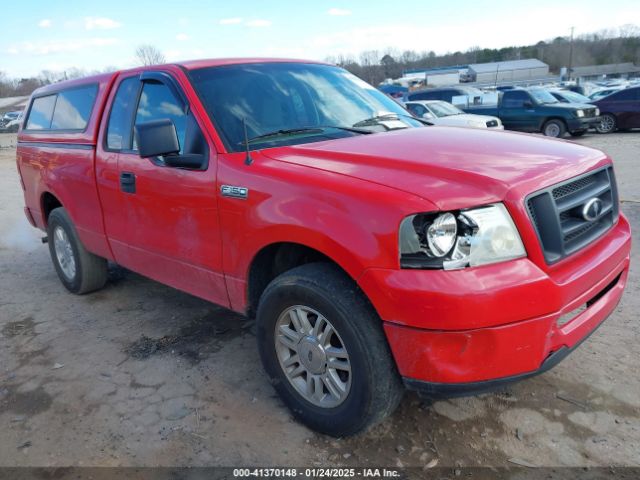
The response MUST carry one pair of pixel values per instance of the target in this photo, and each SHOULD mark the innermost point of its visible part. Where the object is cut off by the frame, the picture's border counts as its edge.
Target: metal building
(512, 70)
(601, 72)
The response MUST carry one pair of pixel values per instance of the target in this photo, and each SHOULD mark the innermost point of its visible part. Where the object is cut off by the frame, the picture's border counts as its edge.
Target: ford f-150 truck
(376, 253)
(536, 110)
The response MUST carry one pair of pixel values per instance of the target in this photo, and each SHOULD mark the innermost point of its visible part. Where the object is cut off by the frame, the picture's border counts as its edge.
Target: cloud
(230, 21)
(181, 37)
(100, 23)
(258, 23)
(44, 23)
(173, 54)
(338, 12)
(59, 46)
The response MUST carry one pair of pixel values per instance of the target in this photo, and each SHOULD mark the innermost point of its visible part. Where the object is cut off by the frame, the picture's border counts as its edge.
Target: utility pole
(570, 55)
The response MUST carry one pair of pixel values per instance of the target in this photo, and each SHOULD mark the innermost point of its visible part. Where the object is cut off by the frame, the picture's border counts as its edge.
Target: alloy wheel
(64, 253)
(312, 356)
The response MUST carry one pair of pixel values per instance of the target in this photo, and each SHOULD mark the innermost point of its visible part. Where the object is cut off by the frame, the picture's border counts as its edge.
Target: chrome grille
(557, 213)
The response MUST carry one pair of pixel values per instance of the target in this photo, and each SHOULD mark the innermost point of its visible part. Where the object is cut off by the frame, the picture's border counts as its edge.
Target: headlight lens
(580, 113)
(441, 234)
(453, 240)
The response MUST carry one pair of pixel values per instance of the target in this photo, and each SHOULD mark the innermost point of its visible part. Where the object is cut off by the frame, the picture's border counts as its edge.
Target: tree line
(17, 87)
(617, 45)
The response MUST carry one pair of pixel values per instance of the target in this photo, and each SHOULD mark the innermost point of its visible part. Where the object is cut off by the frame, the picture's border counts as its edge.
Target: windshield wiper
(293, 131)
(376, 119)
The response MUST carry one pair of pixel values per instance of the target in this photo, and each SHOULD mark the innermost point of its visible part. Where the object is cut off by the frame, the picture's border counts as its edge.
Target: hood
(461, 119)
(451, 167)
(568, 106)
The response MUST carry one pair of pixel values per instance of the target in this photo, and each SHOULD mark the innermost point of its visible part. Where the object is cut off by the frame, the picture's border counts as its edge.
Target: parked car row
(526, 110)
(551, 111)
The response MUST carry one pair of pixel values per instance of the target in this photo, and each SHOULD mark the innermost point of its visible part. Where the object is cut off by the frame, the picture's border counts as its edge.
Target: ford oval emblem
(592, 210)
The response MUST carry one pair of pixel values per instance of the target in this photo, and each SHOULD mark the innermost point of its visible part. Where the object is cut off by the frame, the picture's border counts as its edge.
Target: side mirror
(157, 138)
(427, 115)
(527, 104)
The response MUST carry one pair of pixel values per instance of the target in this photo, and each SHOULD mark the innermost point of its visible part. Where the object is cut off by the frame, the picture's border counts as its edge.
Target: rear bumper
(500, 323)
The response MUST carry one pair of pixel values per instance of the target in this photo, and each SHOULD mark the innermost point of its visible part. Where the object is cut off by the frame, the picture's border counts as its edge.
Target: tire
(79, 270)
(578, 133)
(372, 388)
(554, 128)
(607, 123)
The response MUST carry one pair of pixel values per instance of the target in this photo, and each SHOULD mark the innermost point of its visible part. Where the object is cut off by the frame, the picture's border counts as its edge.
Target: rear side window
(41, 113)
(73, 108)
(66, 110)
(425, 96)
(416, 109)
(629, 94)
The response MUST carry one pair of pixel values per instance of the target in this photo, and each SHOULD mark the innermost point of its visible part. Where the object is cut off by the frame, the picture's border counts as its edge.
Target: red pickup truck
(375, 252)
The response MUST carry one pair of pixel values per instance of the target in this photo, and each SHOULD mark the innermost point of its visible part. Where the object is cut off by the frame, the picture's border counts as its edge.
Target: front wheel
(79, 271)
(324, 350)
(554, 128)
(607, 124)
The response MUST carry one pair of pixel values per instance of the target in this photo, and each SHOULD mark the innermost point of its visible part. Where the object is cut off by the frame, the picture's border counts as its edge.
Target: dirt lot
(139, 374)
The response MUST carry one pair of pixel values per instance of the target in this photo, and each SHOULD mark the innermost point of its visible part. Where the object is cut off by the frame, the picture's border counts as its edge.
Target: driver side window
(515, 99)
(157, 102)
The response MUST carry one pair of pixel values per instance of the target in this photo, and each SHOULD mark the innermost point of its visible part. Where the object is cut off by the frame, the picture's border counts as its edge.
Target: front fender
(353, 222)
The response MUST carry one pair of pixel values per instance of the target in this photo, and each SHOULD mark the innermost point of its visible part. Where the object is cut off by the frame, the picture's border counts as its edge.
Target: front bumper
(453, 331)
(582, 123)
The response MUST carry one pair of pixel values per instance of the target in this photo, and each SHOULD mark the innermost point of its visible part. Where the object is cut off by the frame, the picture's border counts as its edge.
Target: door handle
(128, 182)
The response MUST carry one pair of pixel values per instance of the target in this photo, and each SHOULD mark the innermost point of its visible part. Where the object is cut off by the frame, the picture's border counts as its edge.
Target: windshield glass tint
(542, 96)
(282, 96)
(444, 109)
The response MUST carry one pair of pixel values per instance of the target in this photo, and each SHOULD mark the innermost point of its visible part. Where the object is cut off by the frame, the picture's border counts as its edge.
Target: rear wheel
(324, 350)
(79, 270)
(607, 123)
(554, 128)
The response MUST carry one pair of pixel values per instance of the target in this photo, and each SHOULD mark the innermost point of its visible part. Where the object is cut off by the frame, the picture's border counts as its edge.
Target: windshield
(542, 96)
(574, 97)
(444, 109)
(273, 97)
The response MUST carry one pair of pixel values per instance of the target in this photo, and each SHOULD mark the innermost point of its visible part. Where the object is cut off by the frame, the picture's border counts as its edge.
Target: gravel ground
(139, 374)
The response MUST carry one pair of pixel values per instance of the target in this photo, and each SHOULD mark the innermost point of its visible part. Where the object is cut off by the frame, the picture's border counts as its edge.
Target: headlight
(441, 234)
(580, 113)
(453, 240)
(597, 112)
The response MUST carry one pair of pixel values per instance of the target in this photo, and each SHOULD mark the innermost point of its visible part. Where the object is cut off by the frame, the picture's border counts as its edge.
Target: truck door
(517, 111)
(161, 221)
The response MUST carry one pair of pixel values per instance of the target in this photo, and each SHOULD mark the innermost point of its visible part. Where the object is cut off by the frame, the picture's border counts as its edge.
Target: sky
(60, 34)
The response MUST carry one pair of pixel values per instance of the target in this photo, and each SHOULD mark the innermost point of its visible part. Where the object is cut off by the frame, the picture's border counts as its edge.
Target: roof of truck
(188, 65)
(218, 62)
